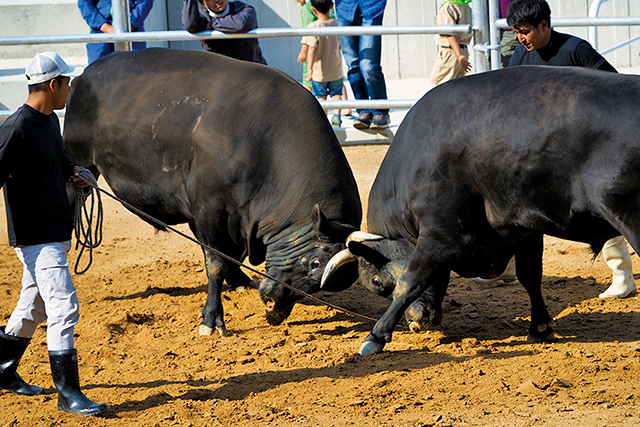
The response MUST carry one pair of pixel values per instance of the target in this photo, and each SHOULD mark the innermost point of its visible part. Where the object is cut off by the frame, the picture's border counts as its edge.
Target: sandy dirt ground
(140, 352)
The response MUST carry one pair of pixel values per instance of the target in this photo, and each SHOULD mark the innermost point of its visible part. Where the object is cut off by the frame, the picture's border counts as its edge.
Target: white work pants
(47, 294)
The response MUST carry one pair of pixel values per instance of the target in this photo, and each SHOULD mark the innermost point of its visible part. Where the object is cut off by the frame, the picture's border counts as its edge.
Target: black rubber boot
(64, 370)
(11, 351)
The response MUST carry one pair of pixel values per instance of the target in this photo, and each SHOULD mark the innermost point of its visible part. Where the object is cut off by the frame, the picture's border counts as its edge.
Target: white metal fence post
(121, 22)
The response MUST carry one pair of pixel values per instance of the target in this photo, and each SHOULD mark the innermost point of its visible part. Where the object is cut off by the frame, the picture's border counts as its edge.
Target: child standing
(453, 57)
(324, 58)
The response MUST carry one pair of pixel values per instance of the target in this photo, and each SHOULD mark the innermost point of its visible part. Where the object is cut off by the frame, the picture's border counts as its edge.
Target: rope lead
(90, 241)
(88, 235)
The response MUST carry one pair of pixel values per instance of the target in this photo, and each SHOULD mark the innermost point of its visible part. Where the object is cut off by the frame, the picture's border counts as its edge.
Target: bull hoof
(222, 331)
(370, 347)
(549, 336)
(205, 330)
(415, 327)
(274, 318)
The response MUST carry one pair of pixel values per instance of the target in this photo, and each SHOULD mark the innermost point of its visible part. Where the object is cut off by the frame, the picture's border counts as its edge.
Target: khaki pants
(447, 66)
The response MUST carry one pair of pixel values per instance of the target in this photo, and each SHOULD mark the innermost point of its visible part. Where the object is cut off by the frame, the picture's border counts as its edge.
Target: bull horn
(338, 260)
(362, 236)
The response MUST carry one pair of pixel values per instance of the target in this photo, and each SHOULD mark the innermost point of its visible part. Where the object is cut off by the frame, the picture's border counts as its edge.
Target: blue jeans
(362, 55)
(324, 89)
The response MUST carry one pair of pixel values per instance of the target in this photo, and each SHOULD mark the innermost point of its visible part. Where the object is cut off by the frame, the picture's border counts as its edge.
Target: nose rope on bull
(88, 240)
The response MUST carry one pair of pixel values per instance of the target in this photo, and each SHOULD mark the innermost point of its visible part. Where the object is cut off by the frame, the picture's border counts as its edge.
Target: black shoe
(11, 351)
(380, 122)
(64, 370)
(363, 121)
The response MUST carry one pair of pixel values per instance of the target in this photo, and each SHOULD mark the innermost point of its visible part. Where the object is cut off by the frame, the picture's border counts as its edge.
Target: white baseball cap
(48, 65)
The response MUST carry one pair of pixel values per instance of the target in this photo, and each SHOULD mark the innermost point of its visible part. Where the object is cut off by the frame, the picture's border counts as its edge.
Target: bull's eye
(315, 264)
(376, 281)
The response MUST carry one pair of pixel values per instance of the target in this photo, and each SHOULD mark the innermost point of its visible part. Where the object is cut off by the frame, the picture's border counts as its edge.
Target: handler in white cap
(33, 171)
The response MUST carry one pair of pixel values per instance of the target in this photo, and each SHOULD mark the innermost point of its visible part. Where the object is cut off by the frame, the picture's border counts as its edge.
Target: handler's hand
(76, 180)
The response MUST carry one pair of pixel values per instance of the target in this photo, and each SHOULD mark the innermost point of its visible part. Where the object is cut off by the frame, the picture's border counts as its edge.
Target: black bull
(480, 169)
(239, 151)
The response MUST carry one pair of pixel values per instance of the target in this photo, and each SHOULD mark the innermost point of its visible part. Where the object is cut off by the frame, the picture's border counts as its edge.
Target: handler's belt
(462, 46)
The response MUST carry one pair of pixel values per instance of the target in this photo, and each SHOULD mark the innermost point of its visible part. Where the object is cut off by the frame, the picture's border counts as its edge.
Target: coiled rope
(90, 241)
(88, 235)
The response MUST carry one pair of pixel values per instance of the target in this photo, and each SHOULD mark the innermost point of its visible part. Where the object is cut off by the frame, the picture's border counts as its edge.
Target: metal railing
(257, 33)
(481, 29)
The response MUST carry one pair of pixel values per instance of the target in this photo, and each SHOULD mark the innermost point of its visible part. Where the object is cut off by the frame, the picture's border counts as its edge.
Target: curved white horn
(362, 236)
(341, 258)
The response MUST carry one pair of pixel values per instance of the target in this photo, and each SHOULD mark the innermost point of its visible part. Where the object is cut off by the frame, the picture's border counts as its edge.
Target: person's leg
(345, 97)
(334, 89)
(319, 90)
(30, 310)
(370, 55)
(48, 264)
(616, 255)
(351, 51)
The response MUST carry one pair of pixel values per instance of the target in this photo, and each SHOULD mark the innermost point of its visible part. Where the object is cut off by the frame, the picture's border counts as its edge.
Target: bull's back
(247, 129)
(503, 135)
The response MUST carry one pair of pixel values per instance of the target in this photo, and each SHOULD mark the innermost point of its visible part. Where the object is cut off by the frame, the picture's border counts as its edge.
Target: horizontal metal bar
(377, 104)
(620, 45)
(398, 104)
(585, 22)
(257, 33)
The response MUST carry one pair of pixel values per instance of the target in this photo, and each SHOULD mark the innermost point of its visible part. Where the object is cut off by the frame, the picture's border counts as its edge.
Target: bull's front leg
(529, 273)
(422, 272)
(213, 313)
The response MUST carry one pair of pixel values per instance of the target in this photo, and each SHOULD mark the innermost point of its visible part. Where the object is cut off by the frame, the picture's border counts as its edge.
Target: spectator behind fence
(362, 55)
(452, 61)
(229, 17)
(97, 14)
(307, 17)
(508, 38)
(324, 58)
(541, 45)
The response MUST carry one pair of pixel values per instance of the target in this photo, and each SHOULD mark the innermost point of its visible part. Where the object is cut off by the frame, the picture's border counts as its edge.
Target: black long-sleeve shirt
(562, 50)
(241, 18)
(33, 172)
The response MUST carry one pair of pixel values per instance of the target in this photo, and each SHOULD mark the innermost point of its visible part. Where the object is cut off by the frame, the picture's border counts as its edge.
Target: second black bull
(239, 151)
(480, 169)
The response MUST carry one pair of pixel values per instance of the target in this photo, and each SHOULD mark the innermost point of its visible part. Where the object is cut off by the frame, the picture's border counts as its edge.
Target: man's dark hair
(41, 86)
(528, 11)
(322, 6)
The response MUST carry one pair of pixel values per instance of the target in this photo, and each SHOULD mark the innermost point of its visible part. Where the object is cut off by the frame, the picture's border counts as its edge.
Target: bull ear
(337, 232)
(370, 251)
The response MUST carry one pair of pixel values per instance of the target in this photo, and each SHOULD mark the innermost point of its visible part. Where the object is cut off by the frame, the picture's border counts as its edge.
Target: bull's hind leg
(529, 272)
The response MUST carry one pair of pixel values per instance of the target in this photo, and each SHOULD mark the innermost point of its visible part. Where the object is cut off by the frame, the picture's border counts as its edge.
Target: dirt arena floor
(140, 352)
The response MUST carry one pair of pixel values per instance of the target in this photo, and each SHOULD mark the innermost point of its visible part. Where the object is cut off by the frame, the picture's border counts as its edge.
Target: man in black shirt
(541, 45)
(33, 172)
